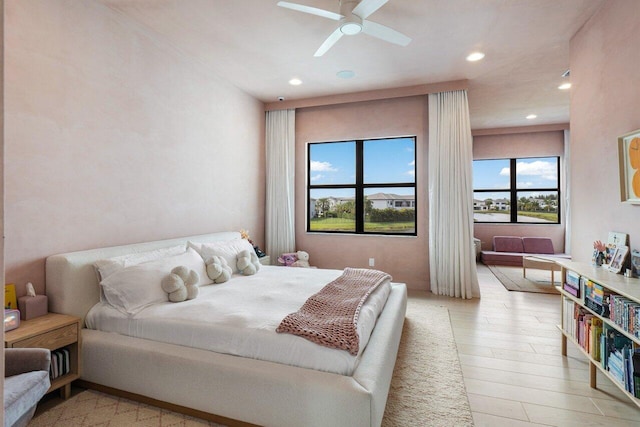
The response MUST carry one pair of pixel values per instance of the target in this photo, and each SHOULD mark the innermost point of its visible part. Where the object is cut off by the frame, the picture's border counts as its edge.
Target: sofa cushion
(537, 245)
(502, 258)
(507, 244)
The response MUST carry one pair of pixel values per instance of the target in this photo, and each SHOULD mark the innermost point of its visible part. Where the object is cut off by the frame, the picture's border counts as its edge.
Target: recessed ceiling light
(346, 74)
(295, 82)
(475, 56)
(531, 116)
(564, 86)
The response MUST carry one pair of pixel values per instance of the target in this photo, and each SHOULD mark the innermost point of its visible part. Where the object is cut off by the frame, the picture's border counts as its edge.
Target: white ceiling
(258, 47)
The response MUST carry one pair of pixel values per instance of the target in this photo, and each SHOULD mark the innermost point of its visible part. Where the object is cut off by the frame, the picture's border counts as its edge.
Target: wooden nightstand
(51, 331)
(265, 260)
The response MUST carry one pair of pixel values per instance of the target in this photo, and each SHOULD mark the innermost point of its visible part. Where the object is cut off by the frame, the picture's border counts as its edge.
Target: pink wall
(114, 137)
(405, 258)
(605, 103)
(532, 144)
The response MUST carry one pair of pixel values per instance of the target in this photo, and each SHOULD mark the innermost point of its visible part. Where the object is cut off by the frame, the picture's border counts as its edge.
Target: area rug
(538, 281)
(427, 388)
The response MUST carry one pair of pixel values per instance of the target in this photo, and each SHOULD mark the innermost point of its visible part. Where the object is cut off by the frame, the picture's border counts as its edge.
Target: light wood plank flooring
(509, 348)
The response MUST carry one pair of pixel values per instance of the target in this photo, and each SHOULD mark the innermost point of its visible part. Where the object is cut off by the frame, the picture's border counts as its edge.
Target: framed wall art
(629, 157)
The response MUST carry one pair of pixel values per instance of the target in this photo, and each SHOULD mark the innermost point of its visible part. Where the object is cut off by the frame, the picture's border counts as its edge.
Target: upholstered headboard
(71, 281)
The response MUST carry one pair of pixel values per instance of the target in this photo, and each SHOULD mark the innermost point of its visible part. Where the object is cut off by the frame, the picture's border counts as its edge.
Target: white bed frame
(226, 387)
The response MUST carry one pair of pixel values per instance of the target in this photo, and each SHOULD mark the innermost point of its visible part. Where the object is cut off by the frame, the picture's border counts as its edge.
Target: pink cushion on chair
(507, 244)
(537, 245)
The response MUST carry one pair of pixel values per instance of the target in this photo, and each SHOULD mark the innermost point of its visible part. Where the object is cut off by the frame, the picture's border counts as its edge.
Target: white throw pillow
(106, 267)
(133, 288)
(228, 249)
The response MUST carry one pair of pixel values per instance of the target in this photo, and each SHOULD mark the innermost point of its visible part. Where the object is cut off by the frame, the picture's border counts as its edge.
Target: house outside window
(517, 190)
(362, 186)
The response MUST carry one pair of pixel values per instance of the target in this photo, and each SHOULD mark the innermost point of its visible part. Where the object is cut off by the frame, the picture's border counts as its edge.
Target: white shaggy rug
(427, 388)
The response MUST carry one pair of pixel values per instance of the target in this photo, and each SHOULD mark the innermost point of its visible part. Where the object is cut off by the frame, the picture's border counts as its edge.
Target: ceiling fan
(353, 20)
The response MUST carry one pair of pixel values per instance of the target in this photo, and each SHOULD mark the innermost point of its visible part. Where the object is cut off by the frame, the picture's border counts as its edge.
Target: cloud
(411, 172)
(413, 163)
(317, 177)
(544, 170)
(527, 184)
(322, 166)
(505, 172)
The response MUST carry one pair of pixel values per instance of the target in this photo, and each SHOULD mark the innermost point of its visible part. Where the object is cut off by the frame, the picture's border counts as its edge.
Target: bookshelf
(52, 331)
(606, 304)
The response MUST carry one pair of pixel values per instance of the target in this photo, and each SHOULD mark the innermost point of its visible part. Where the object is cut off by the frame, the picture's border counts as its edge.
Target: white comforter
(239, 317)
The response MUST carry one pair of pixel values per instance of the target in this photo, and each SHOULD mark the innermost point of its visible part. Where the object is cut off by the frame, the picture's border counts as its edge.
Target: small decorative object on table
(11, 319)
(245, 235)
(32, 305)
(598, 257)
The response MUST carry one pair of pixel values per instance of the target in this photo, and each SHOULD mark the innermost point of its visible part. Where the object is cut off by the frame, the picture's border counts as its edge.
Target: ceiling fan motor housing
(351, 24)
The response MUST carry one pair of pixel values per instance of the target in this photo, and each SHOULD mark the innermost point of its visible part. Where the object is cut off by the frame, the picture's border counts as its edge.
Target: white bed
(201, 381)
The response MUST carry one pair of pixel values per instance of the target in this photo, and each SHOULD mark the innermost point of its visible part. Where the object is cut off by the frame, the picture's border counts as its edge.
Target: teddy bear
(181, 284)
(218, 269)
(288, 259)
(303, 260)
(248, 262)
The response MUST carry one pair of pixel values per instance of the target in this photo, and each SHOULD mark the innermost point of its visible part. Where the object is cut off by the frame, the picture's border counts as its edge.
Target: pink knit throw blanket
(329, 317)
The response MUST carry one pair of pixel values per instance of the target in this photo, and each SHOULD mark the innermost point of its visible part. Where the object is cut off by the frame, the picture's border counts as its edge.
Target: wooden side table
(51, 331)
(265, 260)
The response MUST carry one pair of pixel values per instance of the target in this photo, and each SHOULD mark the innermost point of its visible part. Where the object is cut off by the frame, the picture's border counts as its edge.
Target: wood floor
(509, 348)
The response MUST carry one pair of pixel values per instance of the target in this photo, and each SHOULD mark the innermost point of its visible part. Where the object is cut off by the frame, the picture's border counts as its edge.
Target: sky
(535, 172)
(385, 161)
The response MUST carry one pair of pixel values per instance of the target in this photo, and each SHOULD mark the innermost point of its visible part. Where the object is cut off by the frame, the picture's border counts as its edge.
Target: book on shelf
(572, 283)
(596, 298)
(60, 363)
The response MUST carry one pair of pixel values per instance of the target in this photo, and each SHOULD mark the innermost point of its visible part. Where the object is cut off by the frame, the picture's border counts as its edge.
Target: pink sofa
(509, 250)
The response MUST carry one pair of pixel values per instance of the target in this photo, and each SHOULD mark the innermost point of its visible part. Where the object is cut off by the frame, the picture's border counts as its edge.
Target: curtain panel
(280, 170)
(452, 261)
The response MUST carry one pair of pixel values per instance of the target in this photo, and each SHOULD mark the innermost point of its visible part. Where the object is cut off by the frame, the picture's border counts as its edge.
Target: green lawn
(341, 224)
(549, 216)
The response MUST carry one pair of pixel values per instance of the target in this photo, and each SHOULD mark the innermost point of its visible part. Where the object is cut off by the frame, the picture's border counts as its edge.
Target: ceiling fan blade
(312, 10)
(330, 41)
(385, 33)
(367, 7)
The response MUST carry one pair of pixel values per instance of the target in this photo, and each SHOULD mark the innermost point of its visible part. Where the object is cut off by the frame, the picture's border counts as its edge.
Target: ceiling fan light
(350, 28)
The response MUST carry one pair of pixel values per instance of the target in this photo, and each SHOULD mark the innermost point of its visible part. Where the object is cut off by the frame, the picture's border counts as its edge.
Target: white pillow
(228, 249)
(106, 267)
(133, 288)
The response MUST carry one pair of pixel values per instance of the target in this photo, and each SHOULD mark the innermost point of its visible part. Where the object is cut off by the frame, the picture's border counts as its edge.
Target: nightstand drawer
(53, 339)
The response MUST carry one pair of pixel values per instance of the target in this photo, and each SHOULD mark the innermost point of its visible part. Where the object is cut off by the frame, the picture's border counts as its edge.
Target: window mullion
(359, 187)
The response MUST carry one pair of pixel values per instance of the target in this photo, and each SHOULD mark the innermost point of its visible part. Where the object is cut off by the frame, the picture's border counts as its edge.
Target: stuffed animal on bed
(303, 260)
(248, 262)
(218, 269)
(181, 284)
(288, 259)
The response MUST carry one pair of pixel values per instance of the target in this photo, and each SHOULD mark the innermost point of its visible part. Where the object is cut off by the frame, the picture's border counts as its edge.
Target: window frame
(513, 191)
(359, 188)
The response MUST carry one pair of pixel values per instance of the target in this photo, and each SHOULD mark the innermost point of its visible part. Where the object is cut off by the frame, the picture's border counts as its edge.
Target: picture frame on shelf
(629, 159)
(635, 262)
(619, 259)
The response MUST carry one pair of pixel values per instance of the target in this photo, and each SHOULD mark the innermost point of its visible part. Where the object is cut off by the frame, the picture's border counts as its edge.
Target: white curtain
(280, 158)
(452, 261)
(566, 179)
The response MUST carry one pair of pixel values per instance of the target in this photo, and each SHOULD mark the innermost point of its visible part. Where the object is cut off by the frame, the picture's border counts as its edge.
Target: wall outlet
(372, 262)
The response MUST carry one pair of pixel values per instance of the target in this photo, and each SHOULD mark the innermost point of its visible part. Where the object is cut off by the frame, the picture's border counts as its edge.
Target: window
(531, 185)
(362, 186)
